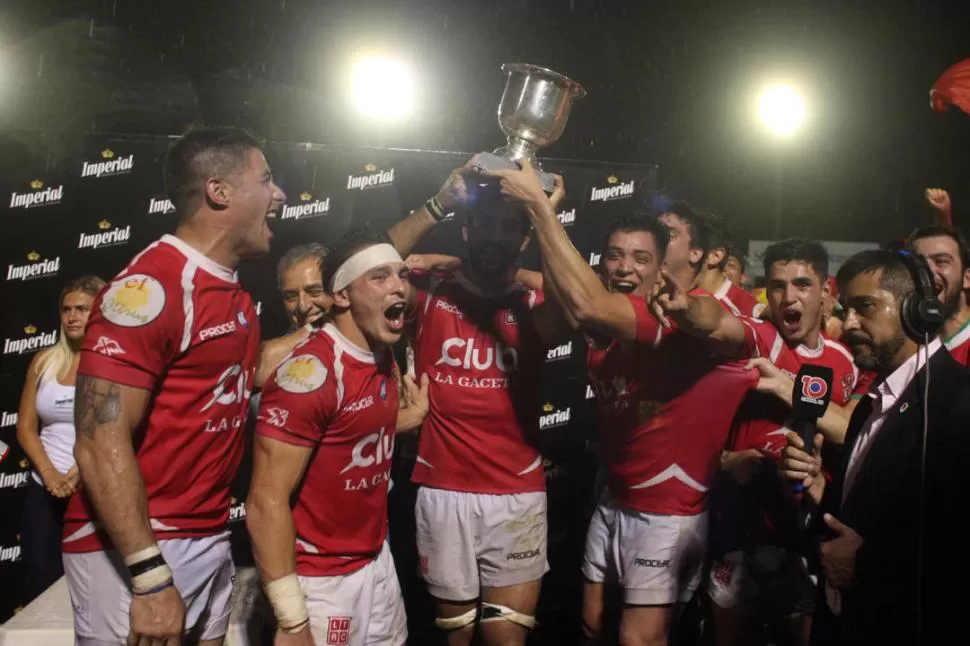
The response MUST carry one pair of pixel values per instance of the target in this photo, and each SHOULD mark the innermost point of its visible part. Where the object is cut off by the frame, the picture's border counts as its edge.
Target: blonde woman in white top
(45, 431)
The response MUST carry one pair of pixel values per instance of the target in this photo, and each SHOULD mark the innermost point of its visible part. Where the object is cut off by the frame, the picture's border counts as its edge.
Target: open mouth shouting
(622, 286)
(394, 315)
(791, 320)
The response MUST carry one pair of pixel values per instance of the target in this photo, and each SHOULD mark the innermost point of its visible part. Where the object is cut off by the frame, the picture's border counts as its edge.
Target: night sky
(671, 83)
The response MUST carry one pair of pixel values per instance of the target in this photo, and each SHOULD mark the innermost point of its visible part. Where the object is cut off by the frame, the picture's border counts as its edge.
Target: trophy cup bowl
(532, 113)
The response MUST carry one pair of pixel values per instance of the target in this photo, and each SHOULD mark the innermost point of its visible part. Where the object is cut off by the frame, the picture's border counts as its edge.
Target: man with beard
(886, 516)
(946, 254)
(665, 403)
(758, 574)
(481, 506)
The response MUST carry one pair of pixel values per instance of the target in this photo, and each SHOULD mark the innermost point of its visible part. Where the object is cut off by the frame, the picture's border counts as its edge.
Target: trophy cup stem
(518, 148)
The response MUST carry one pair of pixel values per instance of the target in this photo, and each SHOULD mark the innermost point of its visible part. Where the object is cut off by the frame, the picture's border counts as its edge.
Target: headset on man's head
(921, 311)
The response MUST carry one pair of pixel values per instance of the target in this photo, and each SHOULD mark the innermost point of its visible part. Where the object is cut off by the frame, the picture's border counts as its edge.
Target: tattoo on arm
(98, 402)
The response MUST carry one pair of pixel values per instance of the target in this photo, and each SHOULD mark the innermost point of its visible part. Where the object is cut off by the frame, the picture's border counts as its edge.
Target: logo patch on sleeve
(133, 301)
(301, 374)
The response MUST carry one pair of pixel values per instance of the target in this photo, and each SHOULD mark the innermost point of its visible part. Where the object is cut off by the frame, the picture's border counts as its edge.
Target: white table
(49, 620)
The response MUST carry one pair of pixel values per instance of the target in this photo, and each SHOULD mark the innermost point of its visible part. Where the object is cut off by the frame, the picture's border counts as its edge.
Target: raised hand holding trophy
(533, 112)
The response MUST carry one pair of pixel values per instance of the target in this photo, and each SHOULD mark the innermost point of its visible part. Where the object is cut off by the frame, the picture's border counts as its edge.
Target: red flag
(952, 88)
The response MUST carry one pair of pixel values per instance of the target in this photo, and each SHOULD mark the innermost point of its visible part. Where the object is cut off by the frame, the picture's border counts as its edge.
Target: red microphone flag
(952, 88)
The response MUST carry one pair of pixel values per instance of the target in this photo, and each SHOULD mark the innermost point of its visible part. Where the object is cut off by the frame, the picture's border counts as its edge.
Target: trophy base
(491, 161)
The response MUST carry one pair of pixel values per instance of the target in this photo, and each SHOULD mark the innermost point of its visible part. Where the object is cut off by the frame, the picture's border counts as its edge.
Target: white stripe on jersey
(137, 258)
(958, 339)
(531, 467)
(776, 347)
(338, 372)
(188, 308)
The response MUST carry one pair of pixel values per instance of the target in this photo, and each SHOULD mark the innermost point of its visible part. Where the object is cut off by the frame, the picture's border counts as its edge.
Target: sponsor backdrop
(86, 205)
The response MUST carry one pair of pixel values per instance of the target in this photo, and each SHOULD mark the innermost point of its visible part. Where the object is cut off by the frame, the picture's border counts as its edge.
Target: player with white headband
(325, 432)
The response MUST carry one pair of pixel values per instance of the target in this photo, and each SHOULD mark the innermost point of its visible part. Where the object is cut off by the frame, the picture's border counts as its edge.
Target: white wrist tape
(141, 555)
(361, 262)
(289, 603)
(154, 578)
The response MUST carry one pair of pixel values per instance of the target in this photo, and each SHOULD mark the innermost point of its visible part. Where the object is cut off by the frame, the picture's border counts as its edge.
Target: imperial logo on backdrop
(36, 267)
(307, 208)
(106, 237)
(15, 480)
(39, 195)
(552, 417)
(9, 553)
(109, 165)
(563, 351)
(614, 190)
(8, 419)
(372, 178)
(161, 205)
(567, 218)
(32, 342)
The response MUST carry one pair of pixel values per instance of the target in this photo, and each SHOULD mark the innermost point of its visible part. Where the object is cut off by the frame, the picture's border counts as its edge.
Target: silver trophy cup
(533, 112)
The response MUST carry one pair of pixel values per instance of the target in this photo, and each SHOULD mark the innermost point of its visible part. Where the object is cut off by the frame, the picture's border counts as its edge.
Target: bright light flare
(383, 88)
(782, 110)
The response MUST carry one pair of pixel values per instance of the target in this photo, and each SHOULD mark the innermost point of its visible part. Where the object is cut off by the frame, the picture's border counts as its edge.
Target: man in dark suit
(891, 548)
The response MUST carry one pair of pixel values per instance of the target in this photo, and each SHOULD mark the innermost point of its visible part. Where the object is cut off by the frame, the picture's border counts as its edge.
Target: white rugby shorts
(101, 593)
(656, 559)
(467, 541)
(363, 608)
(763, 581)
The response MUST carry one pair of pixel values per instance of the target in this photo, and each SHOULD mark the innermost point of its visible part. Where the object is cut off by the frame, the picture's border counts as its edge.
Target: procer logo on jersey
(36, 267)
(308, 208)
(613, 191)
(8, 419)
(9, 554)
(108, 165)
(567, 218)
(551, 418)
(107, 237)
(160, 205)
(14, 480)
(33, 342)
(560, 352)
(39, 196)
(217, 330)
(374, 179)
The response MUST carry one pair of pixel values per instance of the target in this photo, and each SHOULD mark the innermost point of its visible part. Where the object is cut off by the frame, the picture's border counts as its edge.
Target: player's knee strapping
(496, 612)
(458, 622)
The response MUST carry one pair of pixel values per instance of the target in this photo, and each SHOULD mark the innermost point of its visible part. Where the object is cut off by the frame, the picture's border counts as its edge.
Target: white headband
(363, 261)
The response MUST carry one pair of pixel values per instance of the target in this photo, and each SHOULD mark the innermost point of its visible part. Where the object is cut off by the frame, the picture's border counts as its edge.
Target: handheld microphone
(809, 399)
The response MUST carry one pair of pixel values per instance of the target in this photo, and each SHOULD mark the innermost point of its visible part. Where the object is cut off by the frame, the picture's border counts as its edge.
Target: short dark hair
(352, 241)
(935, 231)
(296, 255)
(202, 153)
(639, 221)
(718, 235)
(799, 249)
(694, 221)
(895, 277)
(735, 252)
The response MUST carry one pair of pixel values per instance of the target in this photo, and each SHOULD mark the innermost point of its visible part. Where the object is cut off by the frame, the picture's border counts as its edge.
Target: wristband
(148, 571)
(289, 603)
(434, 207)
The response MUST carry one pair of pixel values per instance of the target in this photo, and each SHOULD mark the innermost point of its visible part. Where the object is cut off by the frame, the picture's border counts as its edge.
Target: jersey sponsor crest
(133, 301)
(301, 374)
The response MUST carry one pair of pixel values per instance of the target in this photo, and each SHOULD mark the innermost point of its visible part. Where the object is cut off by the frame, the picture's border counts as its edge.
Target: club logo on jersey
(133, 301)
(107, 237)
(161, 205)
(307, 208)
(373, 179)
(35, 268)
(848, 385)
(510, 318)
(14, 480)
(503, 357)
(566, 218)
(560, 352)
(301, 374)
(371, 450)
(276, 416)
(8, 419)
(108, 165)
(814, 388)
(242, 319)
(551, 418)
(614, 190)
(9, 554)
(34, 341)
(338, 631)
(217, 330)
(39, 196)
(107, 346)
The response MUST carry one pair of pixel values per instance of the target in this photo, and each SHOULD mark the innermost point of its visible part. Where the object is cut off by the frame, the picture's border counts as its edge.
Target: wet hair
(296, 255)
(810, 252)
(935, 231)
(347, 245)
(895, 278)
(200, 154)
(638, 221)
